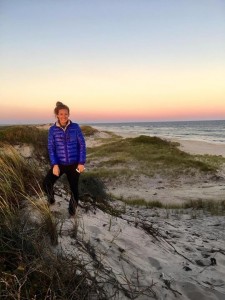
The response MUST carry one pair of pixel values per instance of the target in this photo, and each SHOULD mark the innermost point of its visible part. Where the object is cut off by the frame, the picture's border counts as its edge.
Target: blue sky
(104, 29)
(47, 42)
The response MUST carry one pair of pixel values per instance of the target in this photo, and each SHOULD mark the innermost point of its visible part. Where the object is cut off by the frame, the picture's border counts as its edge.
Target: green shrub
(24, 134)
(28, 134)
(211, 206)
(152, 155)
(88, 130)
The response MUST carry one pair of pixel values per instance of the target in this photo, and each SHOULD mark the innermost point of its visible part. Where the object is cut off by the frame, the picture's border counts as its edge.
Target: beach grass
(26, 134)
(47, 221)
(213, 207)
(88, 130)
(31, 269)
(18, 134)
(151, 155)
(17, 176)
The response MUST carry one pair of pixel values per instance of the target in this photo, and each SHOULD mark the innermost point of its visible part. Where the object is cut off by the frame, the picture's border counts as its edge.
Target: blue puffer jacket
(67, 146)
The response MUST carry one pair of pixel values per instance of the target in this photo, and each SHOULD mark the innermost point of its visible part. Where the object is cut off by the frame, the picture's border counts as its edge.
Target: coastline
(190, 146)
(201, 147)
(166, 189)
(187, 145)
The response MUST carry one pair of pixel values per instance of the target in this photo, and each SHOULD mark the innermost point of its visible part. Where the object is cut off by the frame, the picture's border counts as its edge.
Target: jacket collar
(64, 127)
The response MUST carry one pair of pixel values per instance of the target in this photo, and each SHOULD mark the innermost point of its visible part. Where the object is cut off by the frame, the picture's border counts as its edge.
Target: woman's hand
(56, 170)
(80, 168)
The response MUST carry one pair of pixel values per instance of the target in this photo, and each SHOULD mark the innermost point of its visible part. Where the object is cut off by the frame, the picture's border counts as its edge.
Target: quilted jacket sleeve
(82, 146)
(51, 147)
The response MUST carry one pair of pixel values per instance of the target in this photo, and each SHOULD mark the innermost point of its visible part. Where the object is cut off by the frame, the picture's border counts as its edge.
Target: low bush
(88, 130)
(153, 155)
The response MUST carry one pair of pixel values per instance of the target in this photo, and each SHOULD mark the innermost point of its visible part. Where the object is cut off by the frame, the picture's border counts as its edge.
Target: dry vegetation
(151, 155)
(30, 267)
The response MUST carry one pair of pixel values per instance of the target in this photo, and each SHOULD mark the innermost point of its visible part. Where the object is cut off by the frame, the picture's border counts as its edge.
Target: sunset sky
(112, 60)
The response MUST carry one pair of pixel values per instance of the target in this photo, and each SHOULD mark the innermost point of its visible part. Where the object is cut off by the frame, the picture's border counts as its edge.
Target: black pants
(73, 179)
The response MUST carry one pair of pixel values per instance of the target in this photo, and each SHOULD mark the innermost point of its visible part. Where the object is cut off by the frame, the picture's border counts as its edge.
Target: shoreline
(195, 147)
(166, 189)
(186, 145)
(200, 147)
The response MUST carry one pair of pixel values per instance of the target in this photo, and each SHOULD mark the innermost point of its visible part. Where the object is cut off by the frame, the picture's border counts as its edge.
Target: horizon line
(112, 122)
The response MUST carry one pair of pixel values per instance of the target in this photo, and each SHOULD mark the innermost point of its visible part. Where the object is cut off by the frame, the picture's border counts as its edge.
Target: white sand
(200, 147)
(174, 257)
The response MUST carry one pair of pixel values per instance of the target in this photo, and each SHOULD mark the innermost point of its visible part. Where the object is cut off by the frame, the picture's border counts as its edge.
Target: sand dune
(150, 252)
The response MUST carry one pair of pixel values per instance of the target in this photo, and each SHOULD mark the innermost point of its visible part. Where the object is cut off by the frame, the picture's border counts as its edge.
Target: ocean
(207, 131)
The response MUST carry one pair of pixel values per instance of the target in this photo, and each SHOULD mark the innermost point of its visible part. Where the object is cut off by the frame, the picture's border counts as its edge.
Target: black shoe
(72, 208)
(51, 201)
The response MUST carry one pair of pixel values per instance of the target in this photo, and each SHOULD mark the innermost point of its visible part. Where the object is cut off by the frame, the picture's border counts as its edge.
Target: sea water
(208, 131)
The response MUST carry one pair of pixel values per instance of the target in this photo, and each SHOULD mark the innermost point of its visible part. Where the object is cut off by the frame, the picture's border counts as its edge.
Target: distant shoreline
(117, 122)
(212, 132)
(195, 147)
(201, 147)
(187, 145)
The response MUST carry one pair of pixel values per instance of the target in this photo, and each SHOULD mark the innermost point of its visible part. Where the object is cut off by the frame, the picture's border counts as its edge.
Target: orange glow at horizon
(126, 94)
(151, 111)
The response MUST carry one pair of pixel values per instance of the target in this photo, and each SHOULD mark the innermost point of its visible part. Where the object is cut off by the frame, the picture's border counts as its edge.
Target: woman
(67, 153)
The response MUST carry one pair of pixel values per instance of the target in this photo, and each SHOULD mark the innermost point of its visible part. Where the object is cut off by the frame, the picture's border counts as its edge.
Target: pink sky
(113, 114)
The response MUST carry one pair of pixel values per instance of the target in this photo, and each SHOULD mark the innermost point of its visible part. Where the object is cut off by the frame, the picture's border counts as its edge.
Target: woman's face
(63, 116)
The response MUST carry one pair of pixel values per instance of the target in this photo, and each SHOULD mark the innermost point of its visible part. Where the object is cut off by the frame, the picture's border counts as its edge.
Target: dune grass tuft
(211, 206)
(30, 267)
(88, 130)
(47, 221)
(26, 134)
(17, 176)
(152, 155)
(23, 134)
